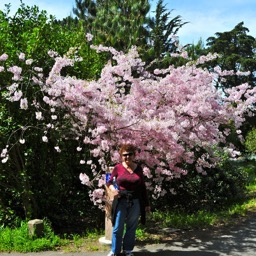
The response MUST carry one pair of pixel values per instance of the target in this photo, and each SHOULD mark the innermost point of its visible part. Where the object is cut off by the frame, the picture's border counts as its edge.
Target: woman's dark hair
(128, 148)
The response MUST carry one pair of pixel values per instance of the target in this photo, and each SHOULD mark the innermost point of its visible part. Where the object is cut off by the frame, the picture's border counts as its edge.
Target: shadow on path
(239, 239)
(236, 240)
(176, 253)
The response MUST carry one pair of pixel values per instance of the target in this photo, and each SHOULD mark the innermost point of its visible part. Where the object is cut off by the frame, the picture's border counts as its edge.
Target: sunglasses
(127, 154)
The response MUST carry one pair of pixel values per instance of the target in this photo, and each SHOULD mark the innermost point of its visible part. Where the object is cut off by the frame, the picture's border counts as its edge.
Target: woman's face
(127, 156)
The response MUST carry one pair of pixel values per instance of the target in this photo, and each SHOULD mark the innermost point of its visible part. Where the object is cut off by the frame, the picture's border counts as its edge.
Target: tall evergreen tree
(237, 52)
(162, 29)
(121, 24)
(85, 10)
(196, 50)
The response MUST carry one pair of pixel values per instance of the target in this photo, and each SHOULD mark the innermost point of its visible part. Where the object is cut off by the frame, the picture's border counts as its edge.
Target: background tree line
(42, 183)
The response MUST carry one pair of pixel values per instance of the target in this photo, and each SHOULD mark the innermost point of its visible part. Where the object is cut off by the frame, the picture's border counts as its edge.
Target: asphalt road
(236, 240)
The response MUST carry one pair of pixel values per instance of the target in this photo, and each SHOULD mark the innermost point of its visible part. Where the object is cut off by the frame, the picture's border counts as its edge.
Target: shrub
(39, 182)
(18, 239)
(220, 187)
(250, 141)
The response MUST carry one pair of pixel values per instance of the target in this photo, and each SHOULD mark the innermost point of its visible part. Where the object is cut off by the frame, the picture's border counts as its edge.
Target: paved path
(238, 240)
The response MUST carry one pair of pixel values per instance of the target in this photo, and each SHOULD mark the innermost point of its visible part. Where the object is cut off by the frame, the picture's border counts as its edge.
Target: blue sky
(205, 17)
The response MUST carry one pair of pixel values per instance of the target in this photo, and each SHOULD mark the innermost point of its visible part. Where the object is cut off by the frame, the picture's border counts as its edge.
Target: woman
(127, 184)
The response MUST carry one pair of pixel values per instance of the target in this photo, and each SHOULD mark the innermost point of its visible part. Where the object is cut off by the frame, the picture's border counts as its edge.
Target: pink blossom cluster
(169, 115)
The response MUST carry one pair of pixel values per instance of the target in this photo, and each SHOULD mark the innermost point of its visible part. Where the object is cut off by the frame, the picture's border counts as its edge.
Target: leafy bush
(250, 141)
(39, 182)
(221, 186)
(18, 239)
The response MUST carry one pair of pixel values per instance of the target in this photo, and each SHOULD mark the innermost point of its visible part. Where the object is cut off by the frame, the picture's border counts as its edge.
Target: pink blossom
(52, 54)
(169, 115)
(16, 73)
(89, 162)
(29, 61)
(84, 179)
(147, 172)
(101, 182)
(96, 152)
(3, 57)
(38, 69)
(184, 55)
(89, 37)
(36, 80)
(22, 56)
(115, 157)
(49, 126)
(17, 96)
(157, 71)
(24, 103)
(97, 196)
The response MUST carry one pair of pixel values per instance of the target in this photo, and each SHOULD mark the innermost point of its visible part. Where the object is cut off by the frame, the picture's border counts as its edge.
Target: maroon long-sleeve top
(130, 181)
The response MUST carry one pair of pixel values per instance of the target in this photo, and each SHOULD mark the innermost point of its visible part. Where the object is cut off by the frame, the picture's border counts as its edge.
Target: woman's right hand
(115, 192)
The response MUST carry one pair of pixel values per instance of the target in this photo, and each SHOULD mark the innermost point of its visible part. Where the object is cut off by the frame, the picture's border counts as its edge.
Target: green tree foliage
(85, 10)
(237, 52)
(38, 181)
(163, 30)
(196, 50)
(121, 24)
(250, 142)
(221, 187)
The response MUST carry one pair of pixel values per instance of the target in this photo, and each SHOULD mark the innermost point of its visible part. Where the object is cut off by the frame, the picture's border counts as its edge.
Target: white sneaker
(113, 254)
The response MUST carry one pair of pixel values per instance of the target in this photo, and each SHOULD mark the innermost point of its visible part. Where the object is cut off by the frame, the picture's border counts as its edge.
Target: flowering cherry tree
(173, 116)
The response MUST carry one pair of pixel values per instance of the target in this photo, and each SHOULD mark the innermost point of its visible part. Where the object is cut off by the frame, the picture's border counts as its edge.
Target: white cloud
(208, 17)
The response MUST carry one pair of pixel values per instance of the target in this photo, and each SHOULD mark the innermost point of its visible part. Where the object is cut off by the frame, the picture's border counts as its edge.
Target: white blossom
(39, 116)
(24, 103)
(4, 160)
(57, 148)
(29, 61)
(22, 141)
(45, 139)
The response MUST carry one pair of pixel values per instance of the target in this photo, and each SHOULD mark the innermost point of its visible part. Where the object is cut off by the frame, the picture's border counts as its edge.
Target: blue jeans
(129, 216)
